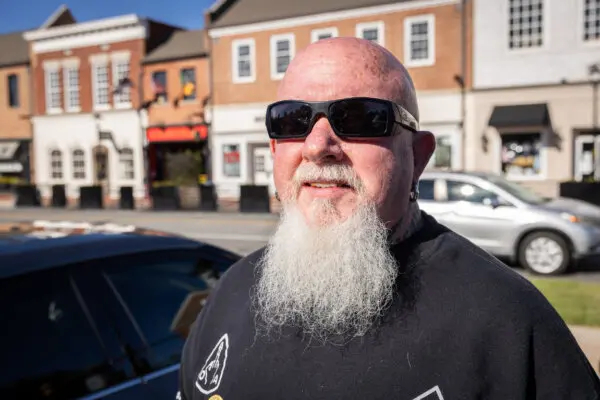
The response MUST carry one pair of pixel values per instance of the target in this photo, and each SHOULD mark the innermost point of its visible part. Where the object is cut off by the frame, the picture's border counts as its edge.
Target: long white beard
(333, 279)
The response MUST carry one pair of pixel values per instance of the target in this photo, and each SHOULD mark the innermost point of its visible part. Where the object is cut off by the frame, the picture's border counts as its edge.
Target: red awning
(177, 133)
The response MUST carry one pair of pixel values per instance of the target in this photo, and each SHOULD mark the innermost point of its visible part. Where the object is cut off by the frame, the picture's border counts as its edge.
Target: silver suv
(508, 220)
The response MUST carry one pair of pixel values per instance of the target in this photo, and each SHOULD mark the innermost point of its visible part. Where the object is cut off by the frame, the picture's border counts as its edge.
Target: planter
(208, 198)
(90, 197)
(189, 197)
(255, 199)
(165, 198)
(126, 200)
(27, 196)
(586, 191)
(59, 196)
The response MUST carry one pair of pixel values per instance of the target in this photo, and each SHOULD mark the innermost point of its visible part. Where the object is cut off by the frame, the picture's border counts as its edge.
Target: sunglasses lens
(290, 119)
(360, 117)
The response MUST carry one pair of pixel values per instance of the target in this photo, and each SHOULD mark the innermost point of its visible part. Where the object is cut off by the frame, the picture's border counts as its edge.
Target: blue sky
(19, 15)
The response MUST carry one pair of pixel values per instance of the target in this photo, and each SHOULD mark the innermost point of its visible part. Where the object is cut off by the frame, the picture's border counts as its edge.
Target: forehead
(328, 77)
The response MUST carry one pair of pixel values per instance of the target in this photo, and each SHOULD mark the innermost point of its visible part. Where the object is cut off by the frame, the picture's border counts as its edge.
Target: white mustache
(327, 173)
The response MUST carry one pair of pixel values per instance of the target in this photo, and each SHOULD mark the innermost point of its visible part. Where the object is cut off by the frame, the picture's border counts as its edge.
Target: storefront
(14, 163)
(177, 154)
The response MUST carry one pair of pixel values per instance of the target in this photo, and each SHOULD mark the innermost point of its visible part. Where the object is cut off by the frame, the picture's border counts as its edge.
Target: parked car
(93, 313)
(544, 235)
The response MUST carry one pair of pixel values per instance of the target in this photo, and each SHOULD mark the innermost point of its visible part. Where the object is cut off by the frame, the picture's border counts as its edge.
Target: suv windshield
(520, 192)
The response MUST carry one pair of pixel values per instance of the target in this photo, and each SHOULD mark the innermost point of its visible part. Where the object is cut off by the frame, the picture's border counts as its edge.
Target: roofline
(84, 27)
(15, 64)
(54, 16)
(322, 17)
(173, 59)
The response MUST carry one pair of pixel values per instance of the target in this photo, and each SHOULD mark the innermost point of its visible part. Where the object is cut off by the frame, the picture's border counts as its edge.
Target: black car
(97, 315)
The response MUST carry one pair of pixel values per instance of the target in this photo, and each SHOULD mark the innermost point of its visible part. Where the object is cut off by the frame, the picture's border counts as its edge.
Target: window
(259, 163)
(127, 166)
(443, 152)
(56, 164)
(426, 189)
(373, 31)
(101, 85)
(521, 155)
(71, 79)
(188, 83)
(231, 160)
(243, 61)
(282, 52)
(462, 191)
(591, 20)
(50, 349)
(159, 86)
(525, 24)
(122, 96)
(78, 164)
(53, 93)
(325, 33)
(419, 41)
(163, 293)
(13, 90)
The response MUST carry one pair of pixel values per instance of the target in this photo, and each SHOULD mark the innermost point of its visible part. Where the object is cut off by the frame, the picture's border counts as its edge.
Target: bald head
(348, 67)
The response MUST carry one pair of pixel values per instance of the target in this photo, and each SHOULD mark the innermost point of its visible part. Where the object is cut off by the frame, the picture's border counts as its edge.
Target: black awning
(520, 115)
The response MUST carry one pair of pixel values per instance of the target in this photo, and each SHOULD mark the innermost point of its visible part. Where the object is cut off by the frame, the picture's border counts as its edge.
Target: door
(263, 167)
(101, 168)
(481, 215)
(587, 157)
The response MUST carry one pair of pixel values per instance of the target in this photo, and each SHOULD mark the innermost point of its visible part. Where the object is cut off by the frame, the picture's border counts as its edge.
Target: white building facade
(86, 130)
(531, 113)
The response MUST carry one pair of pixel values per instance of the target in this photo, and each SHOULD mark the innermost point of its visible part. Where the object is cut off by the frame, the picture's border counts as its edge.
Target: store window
(159, 86)
(521, 155)
(443, 152)
(231, 160)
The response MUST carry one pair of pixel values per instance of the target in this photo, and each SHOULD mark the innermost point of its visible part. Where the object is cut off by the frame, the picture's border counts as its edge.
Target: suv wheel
(544, 253)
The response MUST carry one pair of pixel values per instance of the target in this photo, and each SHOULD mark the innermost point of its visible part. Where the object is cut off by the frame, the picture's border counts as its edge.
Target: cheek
(376, 168)
(286, 159)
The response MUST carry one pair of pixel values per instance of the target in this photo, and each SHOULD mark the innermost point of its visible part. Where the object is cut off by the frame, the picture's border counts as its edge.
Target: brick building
(253, 41)
(88, 126)
(15, 105)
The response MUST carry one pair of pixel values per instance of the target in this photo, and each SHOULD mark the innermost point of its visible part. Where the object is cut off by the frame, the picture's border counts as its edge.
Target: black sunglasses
(354, 117)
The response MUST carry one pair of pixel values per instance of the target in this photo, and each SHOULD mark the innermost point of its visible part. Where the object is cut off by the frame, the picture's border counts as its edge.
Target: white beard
(328, 279)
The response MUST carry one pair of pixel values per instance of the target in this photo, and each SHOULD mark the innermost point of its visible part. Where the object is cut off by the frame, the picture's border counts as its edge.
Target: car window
(426, 189)
(162, 294)
(463, 191)
(50, 348)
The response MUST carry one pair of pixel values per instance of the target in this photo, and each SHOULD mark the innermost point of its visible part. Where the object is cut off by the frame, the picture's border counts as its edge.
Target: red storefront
(170, 139)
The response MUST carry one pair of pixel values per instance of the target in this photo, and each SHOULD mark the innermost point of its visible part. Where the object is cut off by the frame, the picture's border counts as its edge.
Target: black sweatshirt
(463, 326)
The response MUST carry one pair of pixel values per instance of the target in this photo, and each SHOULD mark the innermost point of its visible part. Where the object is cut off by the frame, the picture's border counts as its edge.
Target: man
(358, 294)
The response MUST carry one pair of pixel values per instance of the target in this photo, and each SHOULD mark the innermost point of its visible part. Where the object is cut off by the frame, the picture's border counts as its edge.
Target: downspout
(210, 101)
(32, 112)
(463, 94)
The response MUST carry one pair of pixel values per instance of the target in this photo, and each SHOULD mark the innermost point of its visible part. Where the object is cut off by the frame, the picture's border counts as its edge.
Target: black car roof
(22, 253)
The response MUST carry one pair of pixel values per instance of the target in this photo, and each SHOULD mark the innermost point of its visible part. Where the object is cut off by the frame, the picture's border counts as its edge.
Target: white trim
(119, 59)
(83, 27)
(408, 22)
(335, 16)
(579, 142)
(95, 105)
(378, 25)
(124, 55)
(581, 30)
(545, 31)
(235, 45)
(68, 68)
(100, 58)
(315, 33)
(51, 67)
(290, 38)
(70, 62)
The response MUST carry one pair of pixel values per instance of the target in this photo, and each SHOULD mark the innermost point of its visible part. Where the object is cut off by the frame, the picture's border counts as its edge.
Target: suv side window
(162, 293)
(50, 348)
(463, 191)
(426, 191)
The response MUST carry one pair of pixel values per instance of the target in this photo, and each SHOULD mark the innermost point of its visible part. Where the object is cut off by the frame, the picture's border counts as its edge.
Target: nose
(322, 145)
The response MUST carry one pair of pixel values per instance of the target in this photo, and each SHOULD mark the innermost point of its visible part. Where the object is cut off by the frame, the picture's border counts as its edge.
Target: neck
(408, 224)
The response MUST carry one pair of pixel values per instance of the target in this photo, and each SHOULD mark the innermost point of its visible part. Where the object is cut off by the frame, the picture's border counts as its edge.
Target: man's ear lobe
(423, 149)
(272, 145)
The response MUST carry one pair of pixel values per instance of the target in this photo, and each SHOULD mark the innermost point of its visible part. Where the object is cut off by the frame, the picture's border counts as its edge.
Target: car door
(158, 296)
(480, 214)
(52, 346)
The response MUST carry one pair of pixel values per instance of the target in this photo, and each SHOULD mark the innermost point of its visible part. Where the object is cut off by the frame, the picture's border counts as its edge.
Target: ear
(423, 149)
(272, 145)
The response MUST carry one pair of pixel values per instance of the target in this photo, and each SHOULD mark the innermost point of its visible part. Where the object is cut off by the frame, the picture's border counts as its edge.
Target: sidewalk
(589, 341)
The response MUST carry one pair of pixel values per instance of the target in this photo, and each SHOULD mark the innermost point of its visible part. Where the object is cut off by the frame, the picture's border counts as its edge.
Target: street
(241, 233)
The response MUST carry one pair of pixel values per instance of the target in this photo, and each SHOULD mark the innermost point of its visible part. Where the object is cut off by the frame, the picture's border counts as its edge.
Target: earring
(414, 193)
(277, 196)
